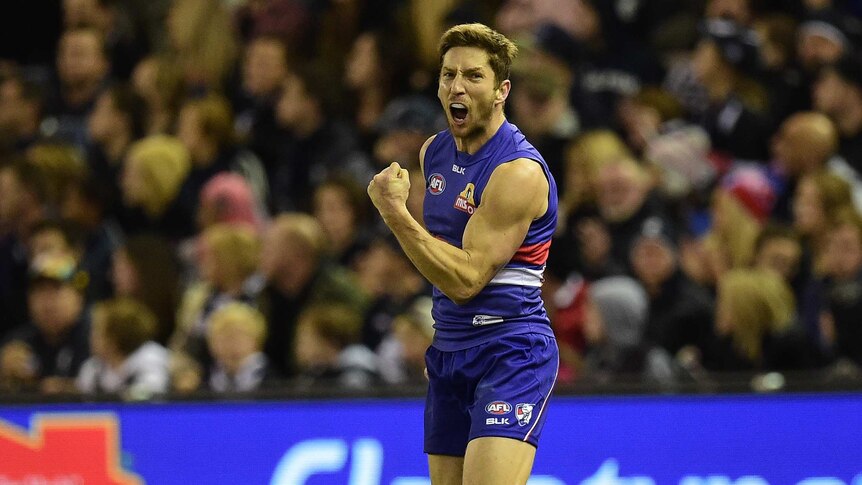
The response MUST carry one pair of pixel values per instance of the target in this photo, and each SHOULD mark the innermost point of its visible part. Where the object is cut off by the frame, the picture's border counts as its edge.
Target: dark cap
(738, 45)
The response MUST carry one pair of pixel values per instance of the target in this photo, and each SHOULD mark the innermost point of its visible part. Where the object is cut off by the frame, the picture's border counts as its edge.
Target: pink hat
(233, 198)
(751, 187)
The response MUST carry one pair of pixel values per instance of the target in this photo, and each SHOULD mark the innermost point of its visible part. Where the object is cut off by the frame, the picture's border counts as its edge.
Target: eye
(447, 75)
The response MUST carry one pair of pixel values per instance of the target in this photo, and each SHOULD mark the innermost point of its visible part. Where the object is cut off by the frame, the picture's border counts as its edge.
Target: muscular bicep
(516, 195)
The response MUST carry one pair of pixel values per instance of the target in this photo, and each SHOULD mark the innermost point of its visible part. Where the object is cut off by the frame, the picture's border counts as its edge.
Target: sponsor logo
(465, 201)
(480, 320)
(436, 184)
(457, 169)
(69, 449)
(498, 407)
(524, 412)
(493, 421)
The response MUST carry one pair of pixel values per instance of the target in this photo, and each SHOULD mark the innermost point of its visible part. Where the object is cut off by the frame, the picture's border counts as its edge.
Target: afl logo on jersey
(436, 184)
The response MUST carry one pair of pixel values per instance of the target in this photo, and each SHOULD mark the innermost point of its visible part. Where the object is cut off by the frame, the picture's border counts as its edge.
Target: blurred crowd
(183, 206)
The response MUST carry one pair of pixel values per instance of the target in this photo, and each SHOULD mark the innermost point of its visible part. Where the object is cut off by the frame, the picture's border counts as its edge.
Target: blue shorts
(499, 388)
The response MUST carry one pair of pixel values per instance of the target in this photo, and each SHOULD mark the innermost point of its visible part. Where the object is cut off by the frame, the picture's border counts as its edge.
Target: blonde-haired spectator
(153, 173)
(755, 323)
(235, 337)
(227, 261)
(203, 41)
(819, 197)
(125, 359)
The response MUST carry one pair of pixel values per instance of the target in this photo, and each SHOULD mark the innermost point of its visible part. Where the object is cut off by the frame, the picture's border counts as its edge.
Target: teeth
(458, 106)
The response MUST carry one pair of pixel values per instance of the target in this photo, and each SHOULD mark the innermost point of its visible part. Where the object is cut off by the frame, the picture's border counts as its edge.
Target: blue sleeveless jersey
(511, 303)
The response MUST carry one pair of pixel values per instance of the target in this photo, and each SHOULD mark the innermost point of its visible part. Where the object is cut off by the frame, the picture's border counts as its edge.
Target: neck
(474, 141)
(291, 283)
(77, 94)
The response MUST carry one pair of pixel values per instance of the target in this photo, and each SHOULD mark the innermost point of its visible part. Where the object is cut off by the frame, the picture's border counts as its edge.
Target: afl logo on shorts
(498, 407)
(436, 184)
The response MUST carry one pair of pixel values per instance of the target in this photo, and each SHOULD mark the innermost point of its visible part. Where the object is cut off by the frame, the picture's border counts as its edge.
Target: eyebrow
(469, 70)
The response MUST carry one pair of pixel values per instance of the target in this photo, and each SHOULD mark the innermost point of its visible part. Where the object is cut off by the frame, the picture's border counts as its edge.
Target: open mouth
(458, 112)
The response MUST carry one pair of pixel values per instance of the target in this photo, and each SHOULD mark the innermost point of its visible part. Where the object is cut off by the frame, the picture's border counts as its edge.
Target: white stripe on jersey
(519, 277)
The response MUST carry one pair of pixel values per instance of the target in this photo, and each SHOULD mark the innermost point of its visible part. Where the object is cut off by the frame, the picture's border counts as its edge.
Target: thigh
(446, 470)
(511, 396)
(497, 461)
(447, 417)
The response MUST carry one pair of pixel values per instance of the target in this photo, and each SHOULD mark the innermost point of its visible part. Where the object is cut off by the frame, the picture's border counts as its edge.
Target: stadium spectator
(298, 276)
(412, 333)
(316, 146)
(341, 207)
(125, 361)
(23, 195)
(778, 249)
(819, 197)
(205, 127)
(82, 73)
(53, 345)
(680, 311)
(227, 260)
(328, 352)
(116, 121)
(145, 269)
(839, 323)
(838, 94)
(151, 179)
(235, 337)
(228, 198)
(21, 104)
(203, 43)
(160, 84)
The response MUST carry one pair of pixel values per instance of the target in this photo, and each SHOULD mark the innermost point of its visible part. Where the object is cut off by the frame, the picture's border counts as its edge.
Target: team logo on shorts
(498, 407)
(436, 184)
(524, 412)
(465, 201)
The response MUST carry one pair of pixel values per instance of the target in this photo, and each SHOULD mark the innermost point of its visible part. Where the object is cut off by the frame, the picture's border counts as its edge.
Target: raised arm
(516, 194)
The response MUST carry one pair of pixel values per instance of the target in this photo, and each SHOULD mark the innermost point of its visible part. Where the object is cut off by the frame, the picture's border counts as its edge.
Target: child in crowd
(235, 337)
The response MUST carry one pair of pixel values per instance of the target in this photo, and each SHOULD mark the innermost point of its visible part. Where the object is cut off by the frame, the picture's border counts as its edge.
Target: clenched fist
(389, 189)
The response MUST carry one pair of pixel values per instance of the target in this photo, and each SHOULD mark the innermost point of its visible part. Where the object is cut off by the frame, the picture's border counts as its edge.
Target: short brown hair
(501, 51)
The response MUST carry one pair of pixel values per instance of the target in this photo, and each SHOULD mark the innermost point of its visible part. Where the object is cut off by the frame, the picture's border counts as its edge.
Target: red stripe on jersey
(533, 254)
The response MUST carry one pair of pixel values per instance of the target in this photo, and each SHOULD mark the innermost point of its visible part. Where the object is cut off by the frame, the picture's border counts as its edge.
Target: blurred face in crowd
(808, 214)
(311, 349)
(468, 91)
(123, 274)
(144, 79)
(54, 307)
(621, 189)
(780, 255)
(265, 67)
(844, 250)
(294, 103)
(231, 345)
(594, 325)
(653, 261)
(414, 342)
(831, 93)
(363, 63)
(80, 58)
(816, 51)
(15, 111)
(333, 210)
(374, 268)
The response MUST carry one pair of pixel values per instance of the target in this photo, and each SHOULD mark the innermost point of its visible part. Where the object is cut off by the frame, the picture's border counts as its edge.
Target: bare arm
(516, 194)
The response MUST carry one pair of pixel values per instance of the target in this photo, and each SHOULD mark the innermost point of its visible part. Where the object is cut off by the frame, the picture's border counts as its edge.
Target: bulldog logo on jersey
(436, 184)
(524, 412)
(465, 201)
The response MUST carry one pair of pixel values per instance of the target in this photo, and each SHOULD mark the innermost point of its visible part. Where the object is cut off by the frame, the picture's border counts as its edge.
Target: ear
(503, 91)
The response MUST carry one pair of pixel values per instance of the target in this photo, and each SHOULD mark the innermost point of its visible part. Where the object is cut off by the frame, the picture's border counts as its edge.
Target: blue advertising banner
(650, 440)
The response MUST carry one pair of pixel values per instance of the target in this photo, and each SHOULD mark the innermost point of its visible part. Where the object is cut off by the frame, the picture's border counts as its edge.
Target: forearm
(449, 268)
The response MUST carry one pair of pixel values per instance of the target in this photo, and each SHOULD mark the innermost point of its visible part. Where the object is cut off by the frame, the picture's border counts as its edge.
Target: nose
(458, 84)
